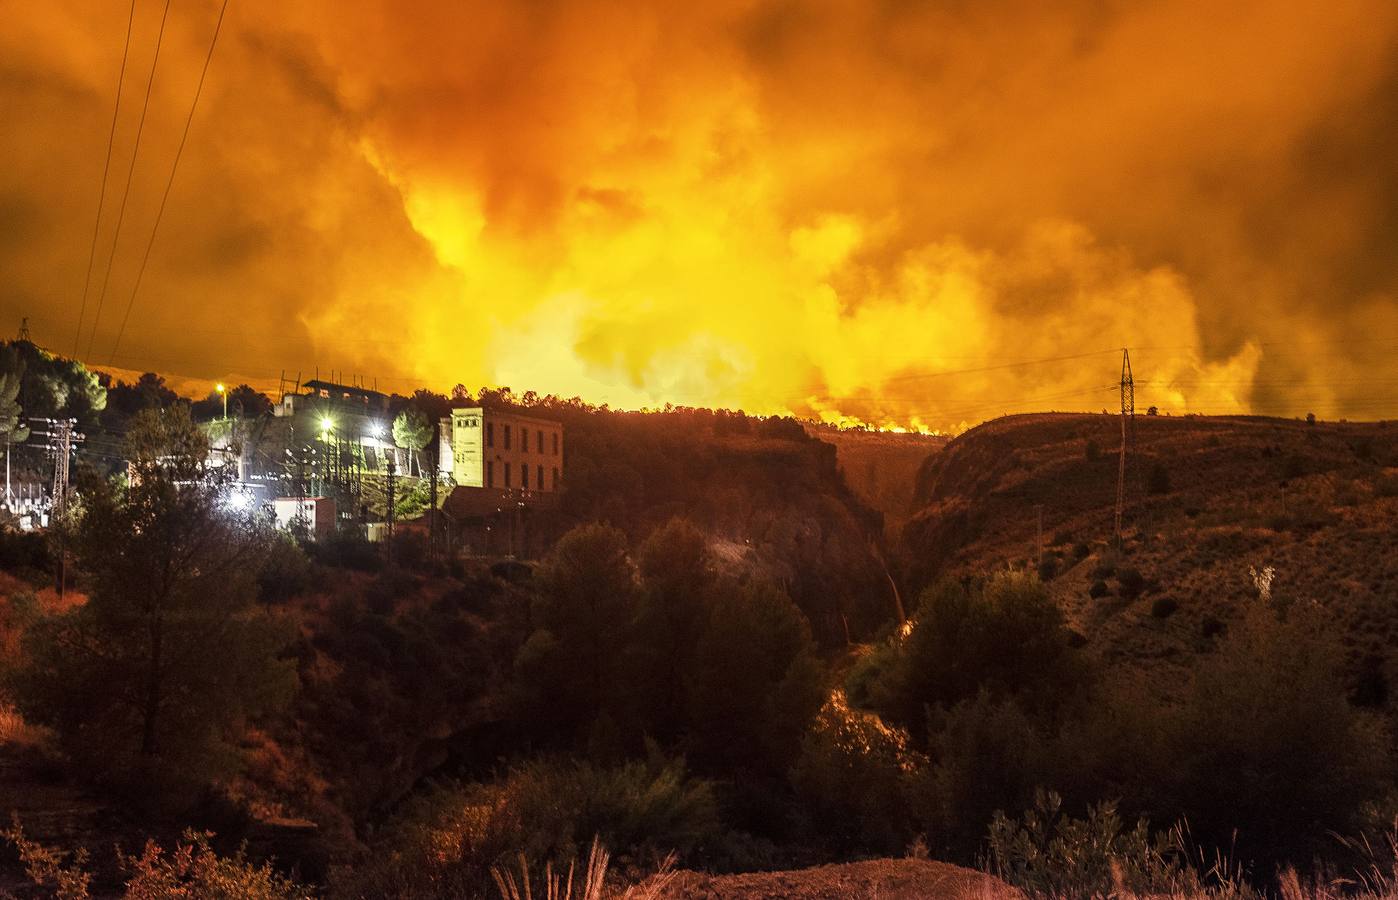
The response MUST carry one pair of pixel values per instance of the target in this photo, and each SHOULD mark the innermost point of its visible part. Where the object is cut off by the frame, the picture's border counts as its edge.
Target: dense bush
(1267, 744)
(444, 843)
(855, 781)
(987, 755)
(1002, 636)
(1048, 854)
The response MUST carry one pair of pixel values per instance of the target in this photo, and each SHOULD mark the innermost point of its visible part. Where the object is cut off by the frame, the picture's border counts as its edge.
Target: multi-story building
(503, 451)
(508, 467)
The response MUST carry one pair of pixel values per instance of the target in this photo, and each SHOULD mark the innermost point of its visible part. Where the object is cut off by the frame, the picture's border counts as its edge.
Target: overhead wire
(106, 168)
(130, 171)
(170, 182)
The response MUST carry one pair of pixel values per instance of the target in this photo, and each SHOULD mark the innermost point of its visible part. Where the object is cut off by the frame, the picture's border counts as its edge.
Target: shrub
(1081, 550)
(988, 757)
(1098, 589)
(1048, 567)
(1158, 479)
(854, 778)
(192, 869)
(1164, 607)
(1003, 636)
(445, 842)
(1266, 745)
(1212, 626)
(754, 684)
(1048, 854)
(1129, 583)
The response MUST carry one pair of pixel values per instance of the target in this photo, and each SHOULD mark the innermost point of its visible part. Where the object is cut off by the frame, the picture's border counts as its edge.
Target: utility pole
(432, 488)
(388, 537)
(24, 330)
(1128, 421)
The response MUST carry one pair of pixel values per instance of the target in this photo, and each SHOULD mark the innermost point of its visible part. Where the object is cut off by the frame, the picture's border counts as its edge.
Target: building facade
(503, 451)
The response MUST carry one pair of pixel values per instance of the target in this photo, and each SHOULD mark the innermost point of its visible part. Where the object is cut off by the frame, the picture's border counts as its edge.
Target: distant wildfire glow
(861, 212)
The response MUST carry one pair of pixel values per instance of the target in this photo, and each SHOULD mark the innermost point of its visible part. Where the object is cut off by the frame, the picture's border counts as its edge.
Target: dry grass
(592, 886)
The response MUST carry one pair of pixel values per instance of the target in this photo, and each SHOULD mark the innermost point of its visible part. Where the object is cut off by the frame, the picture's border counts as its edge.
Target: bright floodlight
(219, 387)
(375, 429)
(327, 423)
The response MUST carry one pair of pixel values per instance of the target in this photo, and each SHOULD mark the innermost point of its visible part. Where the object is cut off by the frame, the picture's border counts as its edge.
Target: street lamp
(222, 392)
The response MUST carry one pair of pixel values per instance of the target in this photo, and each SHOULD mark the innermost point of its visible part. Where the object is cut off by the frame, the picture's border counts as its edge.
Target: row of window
(523, 438)
(523, 476)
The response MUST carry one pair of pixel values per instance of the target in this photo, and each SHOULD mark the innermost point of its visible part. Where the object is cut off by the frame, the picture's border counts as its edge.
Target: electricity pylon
(1128, 421)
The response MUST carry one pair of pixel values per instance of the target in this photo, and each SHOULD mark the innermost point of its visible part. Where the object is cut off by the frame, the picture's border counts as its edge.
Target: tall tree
(154, 672)
(573, 663)
(412, 431)
(678, 579)
(12, 430)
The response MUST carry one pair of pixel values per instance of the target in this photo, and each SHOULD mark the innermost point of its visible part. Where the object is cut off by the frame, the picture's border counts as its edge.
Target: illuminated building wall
(505, 450)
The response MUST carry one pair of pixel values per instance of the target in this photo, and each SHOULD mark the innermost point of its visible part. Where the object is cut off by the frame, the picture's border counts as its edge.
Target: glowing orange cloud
(859, 212)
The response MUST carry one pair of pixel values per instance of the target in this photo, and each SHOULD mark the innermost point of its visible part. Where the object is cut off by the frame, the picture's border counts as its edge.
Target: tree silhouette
(150, 676)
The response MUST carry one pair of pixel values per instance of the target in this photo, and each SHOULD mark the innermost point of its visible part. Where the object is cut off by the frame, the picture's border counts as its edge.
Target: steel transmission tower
(1128, 421)
(61, 438)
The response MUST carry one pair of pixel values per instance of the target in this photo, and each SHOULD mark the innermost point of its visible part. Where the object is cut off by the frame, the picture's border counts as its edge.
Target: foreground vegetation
(418, 730)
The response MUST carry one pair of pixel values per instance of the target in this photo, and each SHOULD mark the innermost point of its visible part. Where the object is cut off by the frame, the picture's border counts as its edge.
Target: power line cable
(170, 182)
(130, 170)
(106, 167)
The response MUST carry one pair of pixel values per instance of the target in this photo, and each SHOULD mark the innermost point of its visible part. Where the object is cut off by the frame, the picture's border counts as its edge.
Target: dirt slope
(886, 879)
(1208, 499)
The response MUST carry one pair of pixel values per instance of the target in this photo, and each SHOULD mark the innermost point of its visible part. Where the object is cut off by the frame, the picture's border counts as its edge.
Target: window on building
(539, 471)
(524, 475)
(524, 439)
(507, 437)
(507, 469)
(490, 473)
(555, 443)
(539, 446)
(555, 478)
(490, 434)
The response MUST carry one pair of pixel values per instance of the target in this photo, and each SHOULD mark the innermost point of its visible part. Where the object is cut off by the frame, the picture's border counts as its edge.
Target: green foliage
(411, 430)
(11, 380)
(987, 756)
(445, 842)
(573, 664)
(755, 683)
(151, 676)
(1266, 742)
(1002, 636)
(854, 780)
(678, 589)
(192, 870)
(53, 386)
(1048, 854)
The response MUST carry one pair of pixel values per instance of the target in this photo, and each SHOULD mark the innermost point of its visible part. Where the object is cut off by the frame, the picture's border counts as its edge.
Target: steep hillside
(1208, 499)
(764, 485)
(881, 467)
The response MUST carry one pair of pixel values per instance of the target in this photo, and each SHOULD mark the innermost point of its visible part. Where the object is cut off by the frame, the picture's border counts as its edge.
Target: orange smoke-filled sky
(887, 212)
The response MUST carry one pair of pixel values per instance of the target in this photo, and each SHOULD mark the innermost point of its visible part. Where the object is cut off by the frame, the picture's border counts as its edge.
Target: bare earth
(886, 879)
